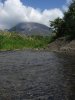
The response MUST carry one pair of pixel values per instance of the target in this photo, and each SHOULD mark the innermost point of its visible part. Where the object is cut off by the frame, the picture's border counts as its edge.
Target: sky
(45, 4)
(13, 12)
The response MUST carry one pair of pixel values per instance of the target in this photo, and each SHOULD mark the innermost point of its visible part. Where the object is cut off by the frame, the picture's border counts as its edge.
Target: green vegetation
(12, 41)
(66, 25)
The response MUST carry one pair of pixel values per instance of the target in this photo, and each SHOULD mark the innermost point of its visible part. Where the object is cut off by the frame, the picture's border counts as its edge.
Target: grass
(12, 41)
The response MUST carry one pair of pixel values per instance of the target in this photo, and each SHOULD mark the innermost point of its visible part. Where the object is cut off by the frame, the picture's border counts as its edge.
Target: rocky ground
(61, 45)
(36, 75)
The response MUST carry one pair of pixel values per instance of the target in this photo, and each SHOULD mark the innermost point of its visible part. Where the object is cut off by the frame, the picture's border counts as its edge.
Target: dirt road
(36, 75)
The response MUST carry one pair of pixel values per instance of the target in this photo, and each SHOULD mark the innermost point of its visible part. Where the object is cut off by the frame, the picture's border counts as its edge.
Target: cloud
(69, 1)
(66, 6)
(14, 11)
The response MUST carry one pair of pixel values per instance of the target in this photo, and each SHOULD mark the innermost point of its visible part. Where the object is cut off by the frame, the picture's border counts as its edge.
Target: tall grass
(11, 41)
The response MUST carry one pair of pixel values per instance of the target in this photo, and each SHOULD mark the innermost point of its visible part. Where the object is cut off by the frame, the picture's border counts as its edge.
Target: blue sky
(45, 4)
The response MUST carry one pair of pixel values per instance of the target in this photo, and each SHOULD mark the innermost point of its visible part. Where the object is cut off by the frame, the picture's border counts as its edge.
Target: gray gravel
(36, 75)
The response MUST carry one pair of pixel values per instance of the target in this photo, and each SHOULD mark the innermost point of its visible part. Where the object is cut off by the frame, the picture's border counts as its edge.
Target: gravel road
(36, 75)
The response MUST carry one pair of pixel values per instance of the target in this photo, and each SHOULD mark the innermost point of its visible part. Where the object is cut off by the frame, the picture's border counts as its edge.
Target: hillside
(62, 45)
(30, 28)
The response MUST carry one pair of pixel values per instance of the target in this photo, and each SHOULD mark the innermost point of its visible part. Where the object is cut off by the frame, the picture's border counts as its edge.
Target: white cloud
(69, 1)
(66, 6)
(13, 12)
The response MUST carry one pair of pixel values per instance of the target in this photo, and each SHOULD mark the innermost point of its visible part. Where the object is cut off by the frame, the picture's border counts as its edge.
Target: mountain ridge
(31, 28)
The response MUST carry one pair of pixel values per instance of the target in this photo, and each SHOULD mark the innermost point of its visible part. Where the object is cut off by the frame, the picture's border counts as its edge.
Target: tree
(69, 18)
(66, 25)
(56, 25)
